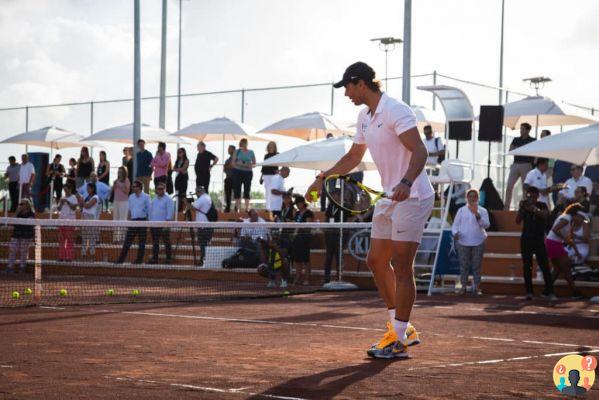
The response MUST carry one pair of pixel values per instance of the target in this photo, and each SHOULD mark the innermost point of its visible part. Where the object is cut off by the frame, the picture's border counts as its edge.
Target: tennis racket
(350, 195)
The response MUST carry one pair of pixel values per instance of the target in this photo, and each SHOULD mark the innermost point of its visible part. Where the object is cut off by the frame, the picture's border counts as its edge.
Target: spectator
(533, 214)
(253, 233)
(128, 159)
(12, 174)
(89, 211)
(26, 176)
(103, 171)
(120, 205)
(182, 178)
(469, 237)
(549, 173)
(243, 162)
(127, 155)
(522, 164)
(267, 173)
(273, 255)
(72, 175)
(581, 197)
(160, 164)
(537, 178)
(162, 208)
(102, 190)
(287, 213)
(300, 247)
(228, 167)
(577, 180)
(85, 166)
(277, 190)
(330, 184)
(458, 197)
(559, 234)
(139, 210)
(67, 209)
(578, 248)
(201, 207)
(205, 160)
(331, 236)
(54, 172)
(144, 165)
(436, 150)
(22, 238)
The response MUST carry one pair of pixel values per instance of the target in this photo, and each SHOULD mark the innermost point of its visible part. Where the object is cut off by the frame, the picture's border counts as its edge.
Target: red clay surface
(301, 347)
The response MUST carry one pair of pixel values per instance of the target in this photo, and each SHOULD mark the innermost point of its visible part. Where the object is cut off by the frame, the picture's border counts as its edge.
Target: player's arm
(411, 141)
(348, 162)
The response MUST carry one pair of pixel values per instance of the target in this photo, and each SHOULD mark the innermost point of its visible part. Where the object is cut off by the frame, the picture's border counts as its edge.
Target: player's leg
(379, 262)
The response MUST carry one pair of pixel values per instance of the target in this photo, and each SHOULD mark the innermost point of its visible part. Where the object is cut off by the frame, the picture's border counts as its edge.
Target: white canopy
(309, 126)
(320, 155)
(542, 111)
(218, 129)
(578, 146)
(50, 136)
(426, 116)
(124, 134)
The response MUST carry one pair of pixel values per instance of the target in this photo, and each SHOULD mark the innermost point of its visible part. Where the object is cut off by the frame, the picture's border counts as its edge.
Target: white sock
(391, 312)
(400, 328)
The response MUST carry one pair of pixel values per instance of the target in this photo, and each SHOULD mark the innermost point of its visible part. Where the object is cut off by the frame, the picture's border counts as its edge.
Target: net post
(38, 265)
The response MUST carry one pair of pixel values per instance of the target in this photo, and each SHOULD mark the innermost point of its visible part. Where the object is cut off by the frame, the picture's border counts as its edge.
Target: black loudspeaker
(460, 130)
(490, 123)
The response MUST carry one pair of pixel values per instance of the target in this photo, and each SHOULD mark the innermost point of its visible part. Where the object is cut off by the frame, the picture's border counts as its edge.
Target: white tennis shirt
(380, 133)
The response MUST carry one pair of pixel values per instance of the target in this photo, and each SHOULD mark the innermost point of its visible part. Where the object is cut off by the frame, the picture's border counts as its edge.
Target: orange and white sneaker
(390, 337)
(412, 337)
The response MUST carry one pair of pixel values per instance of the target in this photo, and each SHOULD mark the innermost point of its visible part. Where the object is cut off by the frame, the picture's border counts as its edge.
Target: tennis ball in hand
(16, 295)
(110, 292)
(63, 292)
(135, 292)
(314, 195)
(28, 291)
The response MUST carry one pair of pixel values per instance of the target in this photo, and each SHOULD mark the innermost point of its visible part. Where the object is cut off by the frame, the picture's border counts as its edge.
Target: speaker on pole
(459, 130)
(490, 124)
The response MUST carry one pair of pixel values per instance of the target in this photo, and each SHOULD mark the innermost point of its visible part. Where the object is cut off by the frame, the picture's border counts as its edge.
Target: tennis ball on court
(135, 292)
(110, 292)
(63, 292)
(286, 293)
(16, 295)
(28, 291)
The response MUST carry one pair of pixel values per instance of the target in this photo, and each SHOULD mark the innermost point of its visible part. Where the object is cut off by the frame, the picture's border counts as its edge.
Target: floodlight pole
(179, 76)
(161, 117)
(136, 86)
(386, 44)
(407, 51)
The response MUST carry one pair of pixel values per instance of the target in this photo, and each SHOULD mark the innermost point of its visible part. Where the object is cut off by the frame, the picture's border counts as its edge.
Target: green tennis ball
(314, 195)
(16, 295)
(286, 293)
(63, 292)
(110, 292)
(135, 292)
(28, 291)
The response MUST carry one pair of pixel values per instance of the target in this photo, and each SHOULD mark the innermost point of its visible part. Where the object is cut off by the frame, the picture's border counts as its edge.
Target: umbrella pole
(537, 127)
(489, 161)
(222, 174)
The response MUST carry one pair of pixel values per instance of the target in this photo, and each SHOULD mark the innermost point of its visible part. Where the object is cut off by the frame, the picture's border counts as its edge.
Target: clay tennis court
(309, 346)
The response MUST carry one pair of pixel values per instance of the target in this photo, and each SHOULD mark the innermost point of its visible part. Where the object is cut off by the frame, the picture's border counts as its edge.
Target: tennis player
(387, 127)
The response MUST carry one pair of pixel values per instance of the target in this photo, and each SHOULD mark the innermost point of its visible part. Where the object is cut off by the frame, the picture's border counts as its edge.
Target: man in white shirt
(434, 146)
(162, 208)
(387, 127)
(201, 207)
(577, 180)
(26, 176)
(253, 232)
(277, 191)
(537, 178)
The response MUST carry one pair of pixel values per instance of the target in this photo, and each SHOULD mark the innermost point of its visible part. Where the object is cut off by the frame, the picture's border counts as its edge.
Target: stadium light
(537, 82)
(387, 44)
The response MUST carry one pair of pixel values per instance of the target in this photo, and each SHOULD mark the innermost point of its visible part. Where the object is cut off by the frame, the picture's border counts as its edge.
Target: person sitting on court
(578, 248)
(162, 208)
(533, 214)
(201, 206)
(469, 235)
(300, 246)
(67, 209)
(581, 197)
(274, 257)
(139, 210)
(577, 180)
(249, 235)
(22, 238)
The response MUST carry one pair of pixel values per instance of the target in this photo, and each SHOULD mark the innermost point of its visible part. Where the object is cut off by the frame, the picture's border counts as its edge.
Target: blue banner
(447, 260)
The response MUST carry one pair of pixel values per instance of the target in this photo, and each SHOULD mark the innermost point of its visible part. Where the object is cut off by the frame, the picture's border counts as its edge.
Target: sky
(54, 51)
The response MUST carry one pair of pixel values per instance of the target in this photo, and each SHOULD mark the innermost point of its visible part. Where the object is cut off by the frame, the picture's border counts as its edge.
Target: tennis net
(86, 262)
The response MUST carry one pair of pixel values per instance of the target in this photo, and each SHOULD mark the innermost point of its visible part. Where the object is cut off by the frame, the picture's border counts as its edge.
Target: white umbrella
(542, 111)
(124, 134)
(578, 146)
(320, 155)
(309, 126)
(50, 136)
(426, 116)
(218, 129)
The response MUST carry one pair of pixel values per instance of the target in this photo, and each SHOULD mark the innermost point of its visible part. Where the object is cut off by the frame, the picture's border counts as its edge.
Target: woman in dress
(182, 178)
(120, 206)
(85, 166)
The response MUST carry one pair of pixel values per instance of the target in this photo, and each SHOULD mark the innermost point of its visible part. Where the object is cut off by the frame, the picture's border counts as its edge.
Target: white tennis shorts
(401, 221)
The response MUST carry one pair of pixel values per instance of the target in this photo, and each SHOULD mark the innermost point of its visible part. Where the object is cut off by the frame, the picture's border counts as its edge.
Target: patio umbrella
(309, 126)
(124, 134)
(578, 146)
(426, 116)
(320, 155)
(218, 129)
(542, 111)
(51, 137)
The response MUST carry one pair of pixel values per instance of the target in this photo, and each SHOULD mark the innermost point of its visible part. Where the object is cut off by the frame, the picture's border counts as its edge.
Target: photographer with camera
(274, 259)
(533, 215)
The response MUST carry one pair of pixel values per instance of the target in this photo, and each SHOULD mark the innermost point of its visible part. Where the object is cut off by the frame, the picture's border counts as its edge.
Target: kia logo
(359, 244)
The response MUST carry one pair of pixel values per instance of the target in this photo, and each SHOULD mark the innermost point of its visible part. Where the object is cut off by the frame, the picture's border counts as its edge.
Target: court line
(207, 389)
(346, 327)
(495, 361)
(5, 366)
